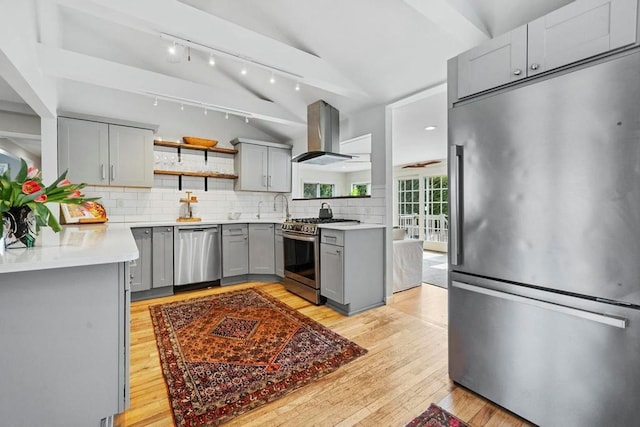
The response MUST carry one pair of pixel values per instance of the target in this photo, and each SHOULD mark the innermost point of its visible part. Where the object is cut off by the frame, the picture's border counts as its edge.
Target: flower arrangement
(27, 190)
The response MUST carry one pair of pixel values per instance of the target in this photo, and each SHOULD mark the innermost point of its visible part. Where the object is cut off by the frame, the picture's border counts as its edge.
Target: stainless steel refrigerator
(544, 287)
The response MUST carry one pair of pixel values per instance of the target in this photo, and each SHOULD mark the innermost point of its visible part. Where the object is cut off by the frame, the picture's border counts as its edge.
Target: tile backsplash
(161, 203)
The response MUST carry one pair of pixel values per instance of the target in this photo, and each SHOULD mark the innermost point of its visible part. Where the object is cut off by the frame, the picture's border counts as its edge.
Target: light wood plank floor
(404, 371)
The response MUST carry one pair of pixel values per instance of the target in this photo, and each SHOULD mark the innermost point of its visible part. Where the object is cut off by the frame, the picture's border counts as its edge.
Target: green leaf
(24, 169)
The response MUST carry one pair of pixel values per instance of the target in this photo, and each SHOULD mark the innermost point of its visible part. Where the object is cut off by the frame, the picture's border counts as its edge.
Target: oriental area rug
(223, 355)
(435, 416)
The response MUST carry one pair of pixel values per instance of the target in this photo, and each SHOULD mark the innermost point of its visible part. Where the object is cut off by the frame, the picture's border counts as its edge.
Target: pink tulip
(32, 172)
(75, 194)
(63, 183)
(30, 187)
(41, 198)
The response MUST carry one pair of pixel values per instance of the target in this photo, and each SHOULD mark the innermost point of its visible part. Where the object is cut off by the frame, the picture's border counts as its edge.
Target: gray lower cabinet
(162, 257)
(152, 273)
(261, 249)
(351, 268)
(141, 269)
(279, 251)
(235, 250)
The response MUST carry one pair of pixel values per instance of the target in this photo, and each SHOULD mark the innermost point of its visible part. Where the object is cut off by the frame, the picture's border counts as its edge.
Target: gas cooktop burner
(310, 225)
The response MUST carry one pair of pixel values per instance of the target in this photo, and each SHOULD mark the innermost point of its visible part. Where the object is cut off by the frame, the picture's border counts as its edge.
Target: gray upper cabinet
(262, 166)
(130, 156)
(162, 257)
(105, 154)
(141, 269)
(577, 31)
(261, 249)
(235, 250)
(580, 30)
(499, 61)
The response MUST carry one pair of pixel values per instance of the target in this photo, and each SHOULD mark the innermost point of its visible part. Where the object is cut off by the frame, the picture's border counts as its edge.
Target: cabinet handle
(102, 174)
(269, 181)
(517, 72)
(338, 251)
(264, 180)
(535, 66)
(113, 173)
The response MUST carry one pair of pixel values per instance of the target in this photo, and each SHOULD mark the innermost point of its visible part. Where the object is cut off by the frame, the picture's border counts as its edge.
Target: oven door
(301, 258)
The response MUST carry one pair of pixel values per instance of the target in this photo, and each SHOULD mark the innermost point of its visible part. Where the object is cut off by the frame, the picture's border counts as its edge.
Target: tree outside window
(314, 190)
(362, 189)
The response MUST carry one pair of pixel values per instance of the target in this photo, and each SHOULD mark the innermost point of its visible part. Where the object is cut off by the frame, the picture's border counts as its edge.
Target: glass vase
(19, 228)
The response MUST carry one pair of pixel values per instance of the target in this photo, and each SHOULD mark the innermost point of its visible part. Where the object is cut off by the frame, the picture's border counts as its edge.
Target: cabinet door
(141, 267)
(332, 272)
(261, 253)
(279, 178)
(83, 149)
(131, 156)
(279, 254)
(499, 61)
(235, 254)
(253, 167)
(580, 30)
(162, 257)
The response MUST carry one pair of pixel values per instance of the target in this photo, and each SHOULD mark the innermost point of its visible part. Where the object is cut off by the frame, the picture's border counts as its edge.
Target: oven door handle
(299, 237)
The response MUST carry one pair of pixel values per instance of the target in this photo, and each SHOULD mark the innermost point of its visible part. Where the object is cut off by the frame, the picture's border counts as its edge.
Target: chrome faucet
(286, 205)
(259, 205)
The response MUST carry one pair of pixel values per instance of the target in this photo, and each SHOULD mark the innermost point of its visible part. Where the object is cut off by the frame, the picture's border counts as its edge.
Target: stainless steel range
(301, 237)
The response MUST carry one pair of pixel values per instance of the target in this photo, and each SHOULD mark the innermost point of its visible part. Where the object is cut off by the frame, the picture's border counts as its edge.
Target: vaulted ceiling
(354, 54)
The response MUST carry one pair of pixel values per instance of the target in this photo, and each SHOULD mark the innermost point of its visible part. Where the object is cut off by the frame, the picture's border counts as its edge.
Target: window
(409, 206)
(436, 208)
(311, 190)
(361, 189)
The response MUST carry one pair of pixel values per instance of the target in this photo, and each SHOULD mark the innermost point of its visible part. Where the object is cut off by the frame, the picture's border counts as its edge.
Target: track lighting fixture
(243, 71)
(155, 102)
(297, 86)
(172, 49)
(205, 111)
(226, 116)
(212, 60)
(272, 80)
(181, 107)
(246, 119)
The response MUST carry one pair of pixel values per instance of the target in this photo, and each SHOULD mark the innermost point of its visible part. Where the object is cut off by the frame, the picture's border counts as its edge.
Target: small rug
(435, 416)
(223, 355)
(434, 269)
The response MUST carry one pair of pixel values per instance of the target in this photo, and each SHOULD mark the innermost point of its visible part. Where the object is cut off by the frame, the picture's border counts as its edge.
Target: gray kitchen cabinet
(577, 31)
(141, 269)
(262, 166)
(261, 249)
(580, 30)
(279, 251)
(105, 154)
(351, 268)
(499, 61)
(162, 257)
(235, 250)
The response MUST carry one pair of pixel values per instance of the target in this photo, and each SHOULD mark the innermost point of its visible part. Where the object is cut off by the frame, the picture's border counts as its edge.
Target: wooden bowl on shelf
(200, 142)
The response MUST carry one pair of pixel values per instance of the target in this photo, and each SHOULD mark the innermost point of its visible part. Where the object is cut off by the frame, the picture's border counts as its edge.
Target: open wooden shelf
(199, 174)
(194, 147)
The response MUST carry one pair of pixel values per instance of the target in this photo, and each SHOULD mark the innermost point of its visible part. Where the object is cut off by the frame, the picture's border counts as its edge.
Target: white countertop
(347, 226)
(74, 246)
(204, 222)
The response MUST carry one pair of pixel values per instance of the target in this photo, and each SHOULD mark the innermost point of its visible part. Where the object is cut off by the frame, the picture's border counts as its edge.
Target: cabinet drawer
(332, 237)
(235, 230)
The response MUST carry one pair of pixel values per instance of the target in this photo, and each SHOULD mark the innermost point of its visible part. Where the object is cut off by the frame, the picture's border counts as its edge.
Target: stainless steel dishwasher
(197, 255)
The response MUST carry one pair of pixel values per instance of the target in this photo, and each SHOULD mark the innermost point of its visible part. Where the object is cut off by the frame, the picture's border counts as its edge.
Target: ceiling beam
(188, 23)
(78, 67)
(19, 61)
(456, 17)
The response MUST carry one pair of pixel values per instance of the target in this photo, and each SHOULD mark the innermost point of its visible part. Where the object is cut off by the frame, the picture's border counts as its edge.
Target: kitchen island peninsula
(64, 323)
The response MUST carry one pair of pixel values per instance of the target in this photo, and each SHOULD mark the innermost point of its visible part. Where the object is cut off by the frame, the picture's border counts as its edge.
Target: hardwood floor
(404, 371)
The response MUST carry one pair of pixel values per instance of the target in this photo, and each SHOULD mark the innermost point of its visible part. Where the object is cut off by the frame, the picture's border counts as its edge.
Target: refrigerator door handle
(618, 322)
(455, 205)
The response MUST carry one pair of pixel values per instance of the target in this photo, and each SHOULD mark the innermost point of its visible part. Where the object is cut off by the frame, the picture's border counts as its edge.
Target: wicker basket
(201, 142)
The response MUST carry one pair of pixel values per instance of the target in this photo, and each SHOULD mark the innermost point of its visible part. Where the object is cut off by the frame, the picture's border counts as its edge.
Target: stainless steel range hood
(323, 136)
